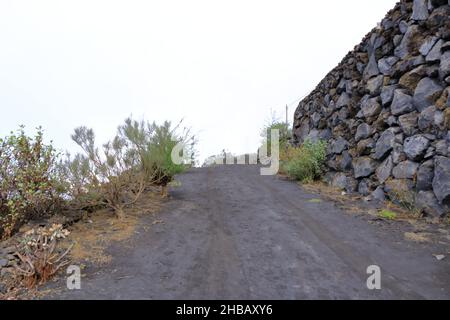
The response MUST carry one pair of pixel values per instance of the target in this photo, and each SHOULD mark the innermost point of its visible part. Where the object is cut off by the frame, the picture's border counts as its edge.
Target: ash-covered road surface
(230, 233)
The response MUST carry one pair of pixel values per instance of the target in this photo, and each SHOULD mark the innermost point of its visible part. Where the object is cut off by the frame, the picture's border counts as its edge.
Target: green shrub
(35, 182)
(284, 132)
(153, 144)
(304, 163)
(388, 214)
(159, 153)
(116, 175)
(30, 182)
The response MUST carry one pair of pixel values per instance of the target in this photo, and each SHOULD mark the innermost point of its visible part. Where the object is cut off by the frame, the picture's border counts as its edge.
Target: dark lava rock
(415, 147)
(441, 181)
(364, 167)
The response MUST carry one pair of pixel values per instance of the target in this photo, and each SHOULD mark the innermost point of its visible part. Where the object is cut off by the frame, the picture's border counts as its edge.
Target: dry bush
(110, 177)
(40, 257)
(406, 199)
(116, 175)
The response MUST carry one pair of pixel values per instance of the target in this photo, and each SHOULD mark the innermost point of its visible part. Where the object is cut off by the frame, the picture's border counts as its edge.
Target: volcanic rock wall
(385, 110)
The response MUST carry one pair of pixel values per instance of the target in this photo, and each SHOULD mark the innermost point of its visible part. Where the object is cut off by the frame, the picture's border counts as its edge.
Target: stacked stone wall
(385, 110)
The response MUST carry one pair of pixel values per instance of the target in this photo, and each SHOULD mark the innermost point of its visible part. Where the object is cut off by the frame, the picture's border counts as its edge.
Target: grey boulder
(420, 10)
(441, 181)
(338, 146)
(371, 68)
(402, 103)
(425, 176)
(364, 187)
(365, 147)
(343, 100)
(385, 65)
(442, 148)
(374, 85)
(427, 203)
(415, 147)
(339, 181)
(444, 68)
(426, 118)
(387, 94)
(405, 170)
(427, 45)
(3, 262)
(384, 144)
(408, 122)
(384, 171)
(370, 107)
(378, 194)
(364, 167)
(344, 161)
(435, 53)
(363, 132)
(427, 92)
(403, 49)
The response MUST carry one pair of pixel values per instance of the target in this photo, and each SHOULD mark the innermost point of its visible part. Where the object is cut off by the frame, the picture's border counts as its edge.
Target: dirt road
(229, 233)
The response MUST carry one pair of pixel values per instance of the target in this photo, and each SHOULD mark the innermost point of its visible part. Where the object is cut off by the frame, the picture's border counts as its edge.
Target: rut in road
(230, 233)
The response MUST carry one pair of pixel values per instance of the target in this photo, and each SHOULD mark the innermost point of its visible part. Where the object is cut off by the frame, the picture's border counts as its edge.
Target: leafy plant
(30, 181)
(116, 175)
(387, 214)
(284, 131)
(153, 144)
(304, 163)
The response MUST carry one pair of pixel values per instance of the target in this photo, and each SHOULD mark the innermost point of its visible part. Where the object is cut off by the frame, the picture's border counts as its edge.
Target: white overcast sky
(220, 65)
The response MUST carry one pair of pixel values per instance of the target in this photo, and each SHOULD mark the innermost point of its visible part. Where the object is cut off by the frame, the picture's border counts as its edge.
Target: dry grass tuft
(417, 237)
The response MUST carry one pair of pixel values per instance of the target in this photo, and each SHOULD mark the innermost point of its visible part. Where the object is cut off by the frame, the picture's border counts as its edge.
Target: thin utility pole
(287, 121)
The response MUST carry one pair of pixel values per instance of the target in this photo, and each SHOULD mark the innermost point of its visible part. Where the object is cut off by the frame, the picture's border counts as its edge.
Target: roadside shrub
(109, 176)
(285, 134)
(77, 180)
(117, 174)
(153, 144)
(35, 182)
(39, 255)
(407, 200)
(30, 184)
(304, 163)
